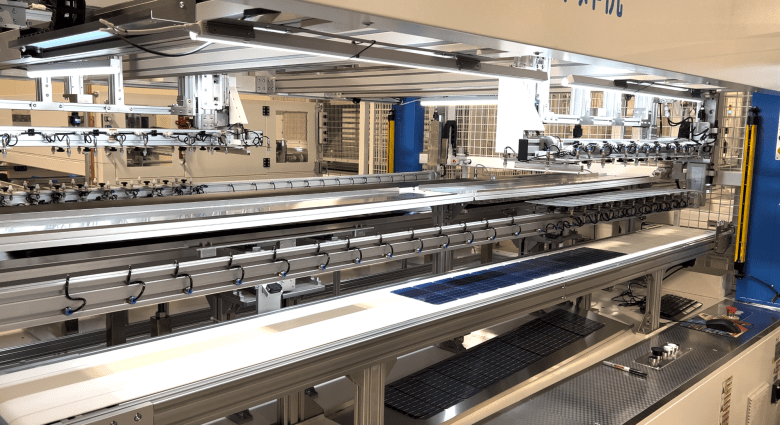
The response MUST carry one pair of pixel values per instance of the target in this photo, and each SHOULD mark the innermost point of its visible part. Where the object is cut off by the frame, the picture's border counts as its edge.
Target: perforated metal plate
(611, 397)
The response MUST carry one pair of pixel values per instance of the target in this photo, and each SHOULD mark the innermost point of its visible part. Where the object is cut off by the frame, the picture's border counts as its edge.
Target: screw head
(137, 417)
(181, 5)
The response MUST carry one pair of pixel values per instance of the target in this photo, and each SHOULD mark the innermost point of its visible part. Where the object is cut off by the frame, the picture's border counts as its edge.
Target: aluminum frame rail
(69, 224)
(316, 182)
(220, 396)
(80, 296)
(666, 195)
(87, 223)
(540, 191)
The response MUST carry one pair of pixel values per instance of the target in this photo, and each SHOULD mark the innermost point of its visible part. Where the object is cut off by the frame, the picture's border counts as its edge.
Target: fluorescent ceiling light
(240, 43)
(274, 30)
(449, 101)
(631, 88)
(73, 69)
(222, 32)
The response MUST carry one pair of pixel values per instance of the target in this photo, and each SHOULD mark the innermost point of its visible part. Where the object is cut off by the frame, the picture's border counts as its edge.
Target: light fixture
(274, 30)
(72, 69)
(458, 101)
(244, 34)
(240, 43)
(597, 84)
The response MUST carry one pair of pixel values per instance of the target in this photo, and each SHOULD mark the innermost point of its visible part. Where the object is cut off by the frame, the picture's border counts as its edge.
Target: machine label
(777, 147)
(725, 401)
(609, 6)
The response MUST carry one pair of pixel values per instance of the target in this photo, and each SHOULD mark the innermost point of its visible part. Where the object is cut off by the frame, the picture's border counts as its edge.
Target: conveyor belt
(49, 393)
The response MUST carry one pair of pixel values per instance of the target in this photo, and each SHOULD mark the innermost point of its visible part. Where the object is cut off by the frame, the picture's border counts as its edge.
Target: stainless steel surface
(536, 186)
(90, 224)
(624, 399)
(609, 331)
(315, 182)
(77, 224)
(609, 197)
(645, 361)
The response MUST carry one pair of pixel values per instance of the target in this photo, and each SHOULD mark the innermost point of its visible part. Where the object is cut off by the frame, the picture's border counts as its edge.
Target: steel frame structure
(245, 388)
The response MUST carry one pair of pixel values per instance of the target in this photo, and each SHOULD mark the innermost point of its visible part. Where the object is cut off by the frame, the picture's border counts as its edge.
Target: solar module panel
(442, 291)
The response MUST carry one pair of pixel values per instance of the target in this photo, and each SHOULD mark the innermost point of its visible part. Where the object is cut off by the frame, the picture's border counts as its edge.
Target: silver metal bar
(602, 198)
(45, 302)
(49, 105)
(215, 31)
(316, 182)
(70, 227)
(652, 318)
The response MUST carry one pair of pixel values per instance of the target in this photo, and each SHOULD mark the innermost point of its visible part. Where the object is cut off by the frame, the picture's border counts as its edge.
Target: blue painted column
(408, 135)
(763, 241)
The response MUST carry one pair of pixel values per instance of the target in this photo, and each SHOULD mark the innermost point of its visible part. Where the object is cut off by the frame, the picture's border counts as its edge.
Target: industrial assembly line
(306, 212)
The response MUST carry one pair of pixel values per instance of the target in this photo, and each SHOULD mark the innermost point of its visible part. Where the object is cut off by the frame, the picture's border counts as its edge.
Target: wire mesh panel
(734, 112)
(294, 124)
(560, 103)
(379, 112)
(477, 129)
(720, 206)
(721, 201)
(343, 141)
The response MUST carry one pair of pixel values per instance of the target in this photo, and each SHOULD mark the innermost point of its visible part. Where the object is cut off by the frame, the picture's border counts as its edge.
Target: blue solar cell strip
(455, 288)
(445, 384)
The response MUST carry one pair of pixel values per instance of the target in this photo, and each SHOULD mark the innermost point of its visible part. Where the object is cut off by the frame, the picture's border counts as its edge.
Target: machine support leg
(442, 262)
(486, 252)
(370, 393)
(652, 319)
(583, 303)
(70, 327)
(290, 409)
(161, 323)
(221, 310)
(336, 283)
(116, 328)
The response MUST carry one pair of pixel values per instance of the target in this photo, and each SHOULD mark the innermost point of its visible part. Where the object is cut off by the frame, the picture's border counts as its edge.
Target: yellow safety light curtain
(391, 142)
(748, 161)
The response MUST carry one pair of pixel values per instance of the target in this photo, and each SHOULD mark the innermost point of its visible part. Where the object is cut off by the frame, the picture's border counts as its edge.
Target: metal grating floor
(454, 288)
(445, 384)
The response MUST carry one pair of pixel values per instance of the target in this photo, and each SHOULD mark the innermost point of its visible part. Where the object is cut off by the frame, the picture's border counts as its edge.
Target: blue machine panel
(409, 129)
(763, 241)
